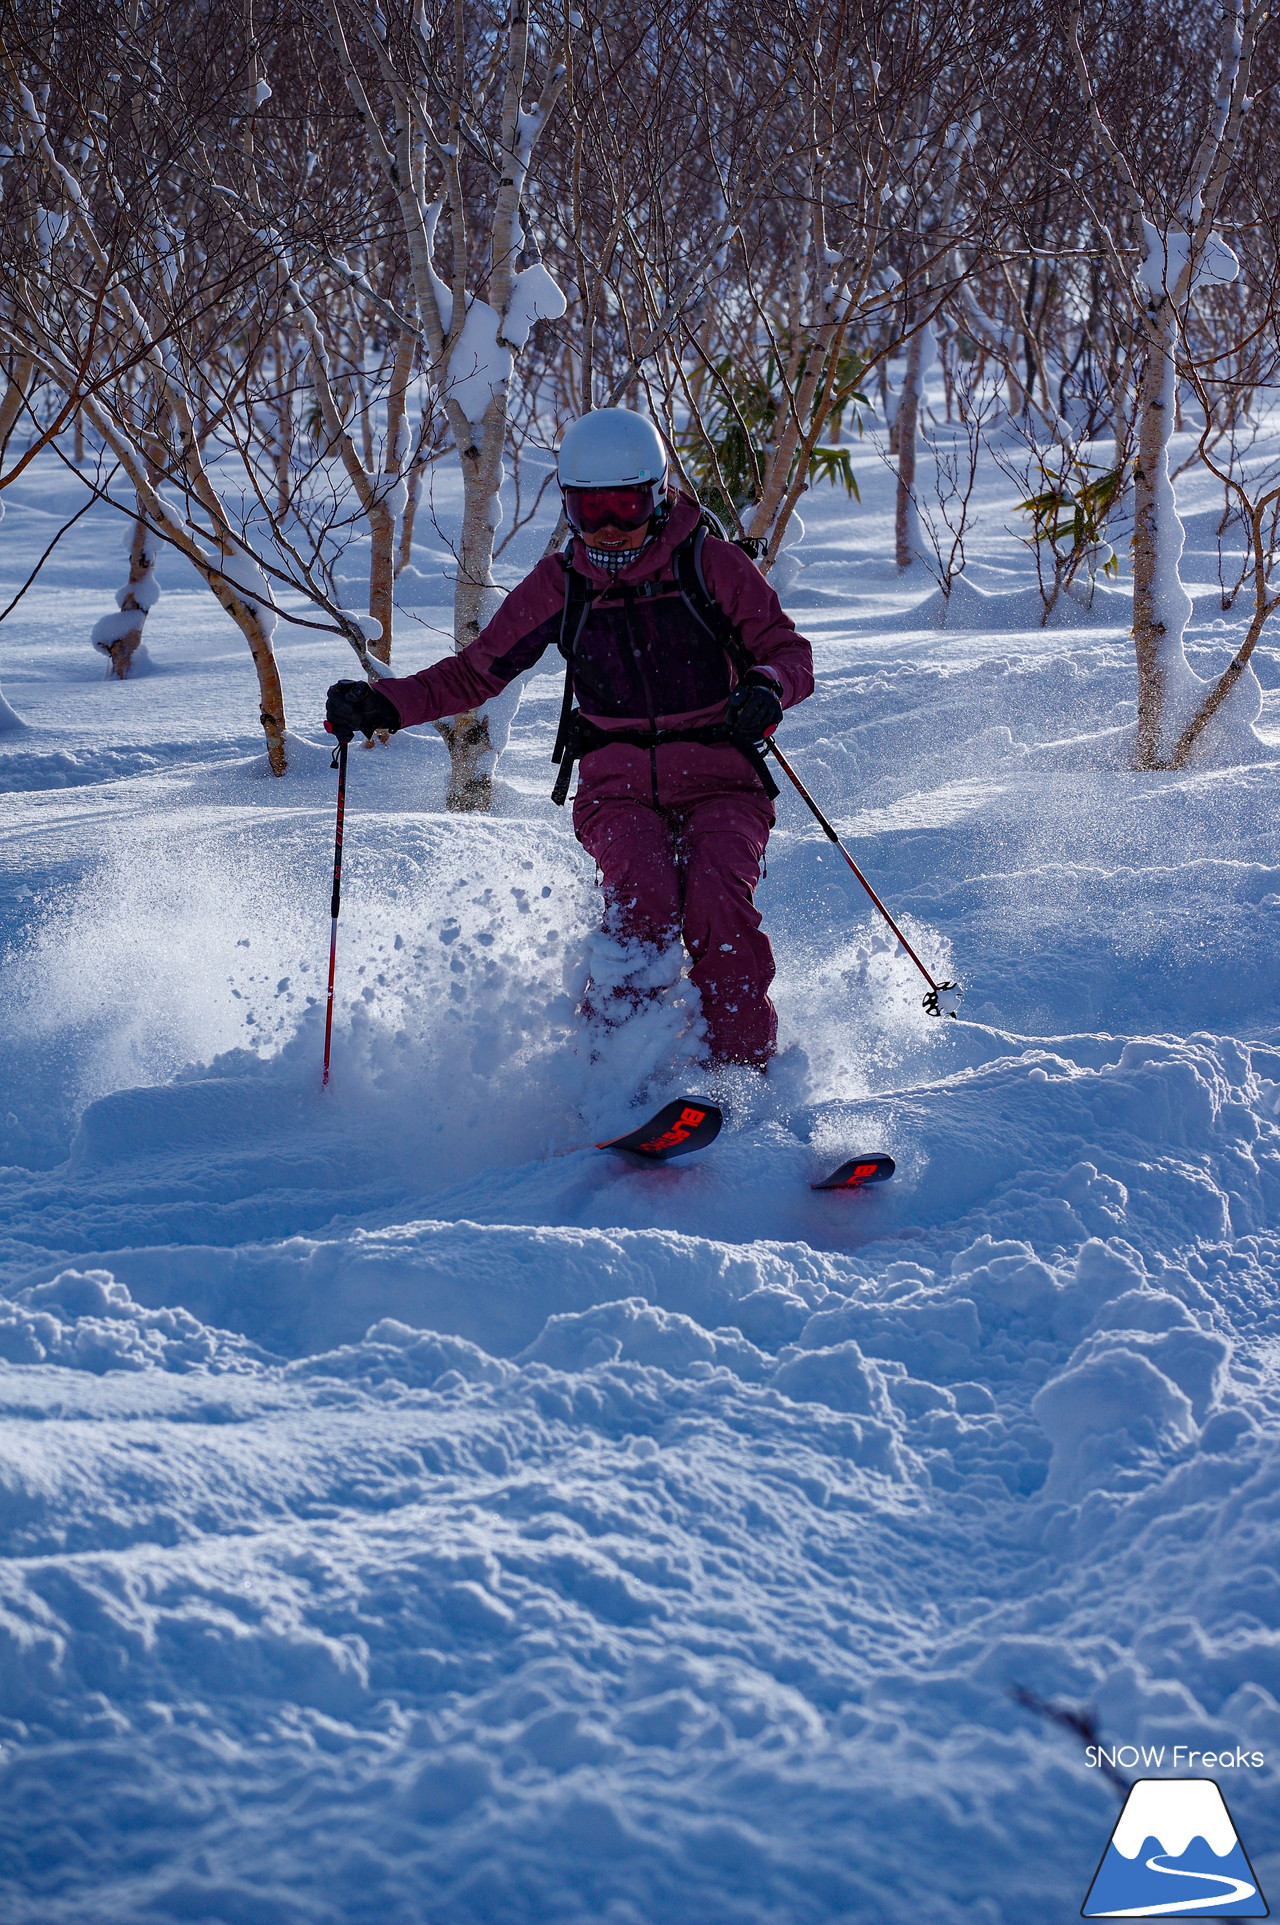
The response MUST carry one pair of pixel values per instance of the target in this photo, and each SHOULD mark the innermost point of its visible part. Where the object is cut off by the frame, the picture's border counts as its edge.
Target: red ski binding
(681, 1126)
(857, 1173)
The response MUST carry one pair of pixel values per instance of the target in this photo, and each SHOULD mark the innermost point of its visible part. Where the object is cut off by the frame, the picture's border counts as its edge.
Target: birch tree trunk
(1168, 690)
(282, 413)
(119, 636)
(413, 494)
(380, 496)
(229, 573)
(11, 406)
(15, 397)
(472, 352)
(1161, 606)
(471, 746)
(391, 501)
(906, 422)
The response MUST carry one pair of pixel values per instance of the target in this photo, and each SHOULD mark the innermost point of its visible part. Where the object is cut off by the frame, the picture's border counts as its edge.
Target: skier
(682, 660)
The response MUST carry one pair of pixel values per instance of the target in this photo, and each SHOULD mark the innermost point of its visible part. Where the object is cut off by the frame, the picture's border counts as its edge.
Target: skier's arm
(768, 633)
(512, 642)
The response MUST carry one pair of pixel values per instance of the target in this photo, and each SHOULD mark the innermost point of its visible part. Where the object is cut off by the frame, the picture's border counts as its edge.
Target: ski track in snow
(409, 1514)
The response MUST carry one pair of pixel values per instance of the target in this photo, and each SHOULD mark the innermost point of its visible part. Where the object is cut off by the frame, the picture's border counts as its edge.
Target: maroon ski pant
(679, 840)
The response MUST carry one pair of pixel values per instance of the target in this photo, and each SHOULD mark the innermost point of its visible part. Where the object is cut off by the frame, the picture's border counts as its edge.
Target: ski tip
(858, 1172)
(678, 1127)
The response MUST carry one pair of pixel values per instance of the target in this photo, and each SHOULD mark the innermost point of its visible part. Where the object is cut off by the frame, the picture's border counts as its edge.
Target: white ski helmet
(611, 448)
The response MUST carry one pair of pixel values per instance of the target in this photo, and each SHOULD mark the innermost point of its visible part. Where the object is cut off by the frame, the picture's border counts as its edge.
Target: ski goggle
(591, 509)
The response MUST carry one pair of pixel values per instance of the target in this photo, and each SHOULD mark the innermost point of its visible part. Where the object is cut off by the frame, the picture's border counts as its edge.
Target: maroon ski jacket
(643, 659)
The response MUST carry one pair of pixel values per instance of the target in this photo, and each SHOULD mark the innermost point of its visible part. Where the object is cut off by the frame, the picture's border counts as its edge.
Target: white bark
(445, 314)
(120, 636)
(1168, 689)
(1161, 606)
(906, 422)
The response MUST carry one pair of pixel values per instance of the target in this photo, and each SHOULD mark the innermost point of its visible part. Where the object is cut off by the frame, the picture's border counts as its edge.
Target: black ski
(688, 1124)
(677, 1128)
(858, 1172)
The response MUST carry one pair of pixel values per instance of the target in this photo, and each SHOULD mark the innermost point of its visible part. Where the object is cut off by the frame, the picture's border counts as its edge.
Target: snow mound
(85, 1320)
(1011, 611)
(410, 1510)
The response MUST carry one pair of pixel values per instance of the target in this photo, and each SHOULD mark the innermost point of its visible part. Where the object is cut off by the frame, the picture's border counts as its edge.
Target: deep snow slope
(410, 1514)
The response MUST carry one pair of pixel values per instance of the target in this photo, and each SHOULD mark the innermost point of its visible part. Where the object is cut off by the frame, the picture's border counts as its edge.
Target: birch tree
(441, 94)
(1178, 253)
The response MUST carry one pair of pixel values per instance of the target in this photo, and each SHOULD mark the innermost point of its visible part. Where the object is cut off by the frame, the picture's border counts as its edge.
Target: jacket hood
(681, 521)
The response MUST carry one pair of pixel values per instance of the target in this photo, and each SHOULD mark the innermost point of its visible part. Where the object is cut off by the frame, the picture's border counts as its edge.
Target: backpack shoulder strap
(687, 559)
(578, 597)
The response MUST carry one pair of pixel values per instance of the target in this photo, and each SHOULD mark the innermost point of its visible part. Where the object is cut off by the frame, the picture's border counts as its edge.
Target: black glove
(755, 706)
(358, 705)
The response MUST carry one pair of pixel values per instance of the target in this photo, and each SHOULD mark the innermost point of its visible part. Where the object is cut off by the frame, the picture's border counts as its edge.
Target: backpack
(572, 736)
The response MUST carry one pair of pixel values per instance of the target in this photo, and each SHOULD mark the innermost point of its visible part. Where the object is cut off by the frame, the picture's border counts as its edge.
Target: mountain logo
(1174, 1854)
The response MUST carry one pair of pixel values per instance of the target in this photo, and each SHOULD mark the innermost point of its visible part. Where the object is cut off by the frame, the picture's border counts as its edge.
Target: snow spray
(943, 998)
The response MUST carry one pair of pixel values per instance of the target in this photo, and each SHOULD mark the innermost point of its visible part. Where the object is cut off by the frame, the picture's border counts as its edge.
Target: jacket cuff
(392, 687)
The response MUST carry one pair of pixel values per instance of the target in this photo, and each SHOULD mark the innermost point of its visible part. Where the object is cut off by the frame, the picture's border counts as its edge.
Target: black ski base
(857, 1173)
(677, 1128)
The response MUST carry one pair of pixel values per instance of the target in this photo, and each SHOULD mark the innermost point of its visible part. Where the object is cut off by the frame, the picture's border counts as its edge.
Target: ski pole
(931, 1002)
(340, 764)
